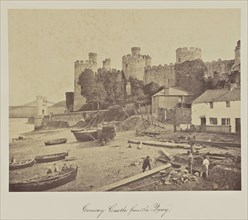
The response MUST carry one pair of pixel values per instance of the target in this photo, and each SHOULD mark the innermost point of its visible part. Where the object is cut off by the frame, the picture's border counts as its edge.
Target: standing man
(55, 168)
(205, 165)
(190, 162)
(146, 163)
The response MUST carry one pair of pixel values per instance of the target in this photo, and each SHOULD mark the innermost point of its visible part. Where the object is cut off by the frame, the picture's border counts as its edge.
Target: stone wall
(162, 75)
(74, 117)
(30, 111)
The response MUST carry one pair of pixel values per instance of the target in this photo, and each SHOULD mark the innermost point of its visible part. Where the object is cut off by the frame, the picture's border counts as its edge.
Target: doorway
(237, 125)
(203, 124)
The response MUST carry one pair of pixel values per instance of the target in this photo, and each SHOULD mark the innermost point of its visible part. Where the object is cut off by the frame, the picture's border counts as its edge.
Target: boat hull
(56, 141)
(83, 136)
(15, 166)
(50, 158)
(44, 183)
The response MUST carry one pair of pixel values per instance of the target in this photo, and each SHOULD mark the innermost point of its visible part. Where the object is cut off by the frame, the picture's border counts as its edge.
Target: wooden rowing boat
(21, 164)
(44, 182)
(56, 141)
(51, 157)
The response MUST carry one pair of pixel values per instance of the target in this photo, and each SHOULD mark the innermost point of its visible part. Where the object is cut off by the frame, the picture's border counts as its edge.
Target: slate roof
(218, 95)
(173, 91)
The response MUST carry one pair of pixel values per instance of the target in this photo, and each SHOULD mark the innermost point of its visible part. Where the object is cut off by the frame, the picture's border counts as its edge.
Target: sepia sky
(43, 44)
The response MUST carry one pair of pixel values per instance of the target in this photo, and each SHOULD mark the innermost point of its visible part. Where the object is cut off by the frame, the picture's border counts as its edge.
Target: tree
(113, 85)
(97, 95)
(151, 88)
(136, 87)
(190, 76)
(87, 82)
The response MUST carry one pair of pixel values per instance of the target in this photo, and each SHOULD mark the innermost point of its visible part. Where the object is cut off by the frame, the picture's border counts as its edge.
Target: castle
(139, 66)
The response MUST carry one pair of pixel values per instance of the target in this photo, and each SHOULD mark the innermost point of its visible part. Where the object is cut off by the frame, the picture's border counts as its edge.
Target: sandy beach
(97, 165)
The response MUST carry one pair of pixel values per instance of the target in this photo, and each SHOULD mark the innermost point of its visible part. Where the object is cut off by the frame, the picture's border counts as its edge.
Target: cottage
(168, 99)
(217, 110)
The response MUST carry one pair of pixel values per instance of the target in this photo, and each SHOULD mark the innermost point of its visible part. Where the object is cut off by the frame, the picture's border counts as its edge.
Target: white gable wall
(218, 111)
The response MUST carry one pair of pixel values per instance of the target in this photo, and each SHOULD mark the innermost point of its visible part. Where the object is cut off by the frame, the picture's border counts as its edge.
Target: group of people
(65, 168)
(204, 166)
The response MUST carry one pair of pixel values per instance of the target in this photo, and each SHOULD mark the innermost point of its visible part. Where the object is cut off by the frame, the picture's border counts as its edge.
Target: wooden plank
(166, 154)
(133, 178)
(161, 144)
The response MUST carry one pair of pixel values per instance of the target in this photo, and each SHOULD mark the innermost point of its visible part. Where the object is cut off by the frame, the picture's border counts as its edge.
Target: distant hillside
(59, 104)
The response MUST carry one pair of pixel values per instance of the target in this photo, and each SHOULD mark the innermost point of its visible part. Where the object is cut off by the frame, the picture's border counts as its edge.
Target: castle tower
(135, 51)
(93, 58)
(106, 64)
(79, 67)
(134, 64)
(183, 54)
(41, 105)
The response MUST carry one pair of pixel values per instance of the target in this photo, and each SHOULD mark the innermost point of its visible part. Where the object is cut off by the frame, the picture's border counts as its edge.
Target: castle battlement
(186, 49)
(185, 53)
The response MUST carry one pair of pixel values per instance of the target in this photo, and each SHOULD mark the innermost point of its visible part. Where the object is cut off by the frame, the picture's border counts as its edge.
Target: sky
(44, 44)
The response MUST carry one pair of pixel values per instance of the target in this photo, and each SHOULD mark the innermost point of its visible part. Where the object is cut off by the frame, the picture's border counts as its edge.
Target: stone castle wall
(162, 75)
(219, 67)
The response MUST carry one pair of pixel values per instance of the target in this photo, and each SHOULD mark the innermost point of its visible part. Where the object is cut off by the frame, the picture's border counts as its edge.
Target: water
(17, 126)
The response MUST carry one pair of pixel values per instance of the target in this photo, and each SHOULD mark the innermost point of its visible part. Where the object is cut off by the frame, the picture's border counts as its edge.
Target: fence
(217, 128)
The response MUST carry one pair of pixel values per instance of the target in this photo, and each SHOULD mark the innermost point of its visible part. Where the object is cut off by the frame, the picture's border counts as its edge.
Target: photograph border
(69, 205)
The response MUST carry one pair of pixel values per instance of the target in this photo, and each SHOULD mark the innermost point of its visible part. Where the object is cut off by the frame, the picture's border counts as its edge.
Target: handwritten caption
(127, 210)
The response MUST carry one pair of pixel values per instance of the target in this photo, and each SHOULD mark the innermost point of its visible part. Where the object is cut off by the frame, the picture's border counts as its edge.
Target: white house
(218, 110)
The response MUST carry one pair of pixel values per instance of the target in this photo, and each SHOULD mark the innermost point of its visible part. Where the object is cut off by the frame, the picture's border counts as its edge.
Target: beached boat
(86, 135)
(21, 164)
(44, 182)
(56, 141)
(51, 157)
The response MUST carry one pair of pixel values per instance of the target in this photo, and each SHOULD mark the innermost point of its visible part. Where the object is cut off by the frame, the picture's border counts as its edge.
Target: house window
(213, 121)
(211, 104)
(228, 104)
(225, 121)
